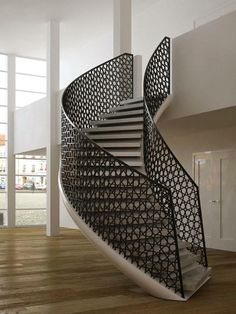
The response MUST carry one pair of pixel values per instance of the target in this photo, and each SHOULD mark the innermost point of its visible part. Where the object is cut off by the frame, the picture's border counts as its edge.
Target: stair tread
(191, 268)
(117, 136)
(117, 121)
(188, 260)
(125, 153)
(132, 100)
(115, 115)
(114, 128)
(127, 107)
(191, 283)
(119, 144)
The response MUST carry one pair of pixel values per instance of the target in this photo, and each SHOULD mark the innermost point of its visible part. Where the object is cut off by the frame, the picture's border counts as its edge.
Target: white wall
(204, 68)
(85, 41)
(155, 19)
(31, 129)
(210, 131)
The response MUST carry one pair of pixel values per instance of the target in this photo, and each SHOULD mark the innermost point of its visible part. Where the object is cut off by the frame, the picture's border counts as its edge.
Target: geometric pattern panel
(129, 211)
(160, 162)
(98, 90)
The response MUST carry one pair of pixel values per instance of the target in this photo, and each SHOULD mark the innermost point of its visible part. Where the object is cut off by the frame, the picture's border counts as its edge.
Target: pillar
(52, 228)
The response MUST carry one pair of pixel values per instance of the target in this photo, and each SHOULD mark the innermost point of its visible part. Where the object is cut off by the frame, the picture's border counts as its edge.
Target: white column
(52, 146)
(122, 22)
(138, 76)
(122, 39)
(10, 145)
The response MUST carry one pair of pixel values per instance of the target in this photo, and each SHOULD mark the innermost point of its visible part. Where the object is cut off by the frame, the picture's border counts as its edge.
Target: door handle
(214, 201)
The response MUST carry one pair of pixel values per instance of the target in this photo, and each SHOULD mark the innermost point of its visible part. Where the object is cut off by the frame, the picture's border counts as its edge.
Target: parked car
(19, 187)
(2, 186)
(41, 186)
(29, 186)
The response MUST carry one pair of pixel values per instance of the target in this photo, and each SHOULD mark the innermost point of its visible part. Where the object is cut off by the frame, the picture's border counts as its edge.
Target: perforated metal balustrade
(161, 164)
(136, 215)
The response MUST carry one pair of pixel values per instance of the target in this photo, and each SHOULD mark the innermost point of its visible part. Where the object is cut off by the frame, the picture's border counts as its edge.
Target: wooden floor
(66, 274)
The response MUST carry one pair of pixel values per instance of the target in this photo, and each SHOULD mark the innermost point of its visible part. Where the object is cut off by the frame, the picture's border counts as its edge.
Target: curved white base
(152, 286)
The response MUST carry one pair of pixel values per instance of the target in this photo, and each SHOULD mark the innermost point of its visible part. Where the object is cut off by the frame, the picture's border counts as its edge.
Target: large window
(30, 81)
(30, 190)
(30, 177)
(3, 139)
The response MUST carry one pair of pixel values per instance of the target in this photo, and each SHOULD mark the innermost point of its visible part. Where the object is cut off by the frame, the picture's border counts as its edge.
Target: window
(3, 139)
(30, 81)
(30, 190)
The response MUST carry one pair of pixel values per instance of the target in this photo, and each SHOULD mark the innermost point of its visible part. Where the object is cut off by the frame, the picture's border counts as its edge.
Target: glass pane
(3, 199)
(3, 97)
(28, 199)
(3, 218)
(31, 167)
(31, 217)
(3, 166)
(30, 83)
(25, 98)
(3, 114)
(30, 66)
(3, 183)
(3, 62)
(3, 79)
(3, 132)
(3, 149)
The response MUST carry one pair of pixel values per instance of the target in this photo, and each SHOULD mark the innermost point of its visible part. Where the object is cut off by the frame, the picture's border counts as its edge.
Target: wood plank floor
(66, 274)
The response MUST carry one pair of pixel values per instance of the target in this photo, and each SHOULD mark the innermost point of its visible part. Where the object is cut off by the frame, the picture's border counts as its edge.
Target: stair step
(123, 128)
(94, 188)
(192, 281)
(125, 153)
(129, 237)
(119, 144)
(127, 107)
(132, 100)
(133, 163)
(171, 257)
(117, 121)
(191, 268)
(103, 137)
(149, 251)
(143, 212)
(188, 260)
(116, 115)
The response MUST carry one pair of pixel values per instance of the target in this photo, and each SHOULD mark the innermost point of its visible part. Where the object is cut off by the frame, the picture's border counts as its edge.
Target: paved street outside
(30, 201)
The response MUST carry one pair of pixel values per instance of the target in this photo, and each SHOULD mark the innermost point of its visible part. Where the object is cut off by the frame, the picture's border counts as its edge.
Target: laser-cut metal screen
(131, 212)
(160, 162)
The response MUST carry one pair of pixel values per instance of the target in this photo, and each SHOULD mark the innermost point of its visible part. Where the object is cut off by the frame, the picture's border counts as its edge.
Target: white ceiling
(23, 22)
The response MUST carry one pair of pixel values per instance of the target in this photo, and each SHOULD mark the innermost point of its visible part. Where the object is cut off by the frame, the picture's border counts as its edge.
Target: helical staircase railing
(160, 162)
(94, 181)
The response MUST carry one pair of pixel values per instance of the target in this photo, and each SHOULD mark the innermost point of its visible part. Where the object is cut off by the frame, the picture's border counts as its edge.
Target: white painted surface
(138, 77)
(204, 68)
(215, 173)
(31, 127)
(167, 102)
(53, 66)
(205, 132)
(122, 16)
(154, 19)
(10, 145)
(65, 219)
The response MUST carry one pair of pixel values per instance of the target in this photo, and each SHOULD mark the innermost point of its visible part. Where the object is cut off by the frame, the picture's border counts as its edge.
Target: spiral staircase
(121, 183)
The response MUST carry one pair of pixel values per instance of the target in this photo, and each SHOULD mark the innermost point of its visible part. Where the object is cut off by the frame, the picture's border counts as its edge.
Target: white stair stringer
(142, 279)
